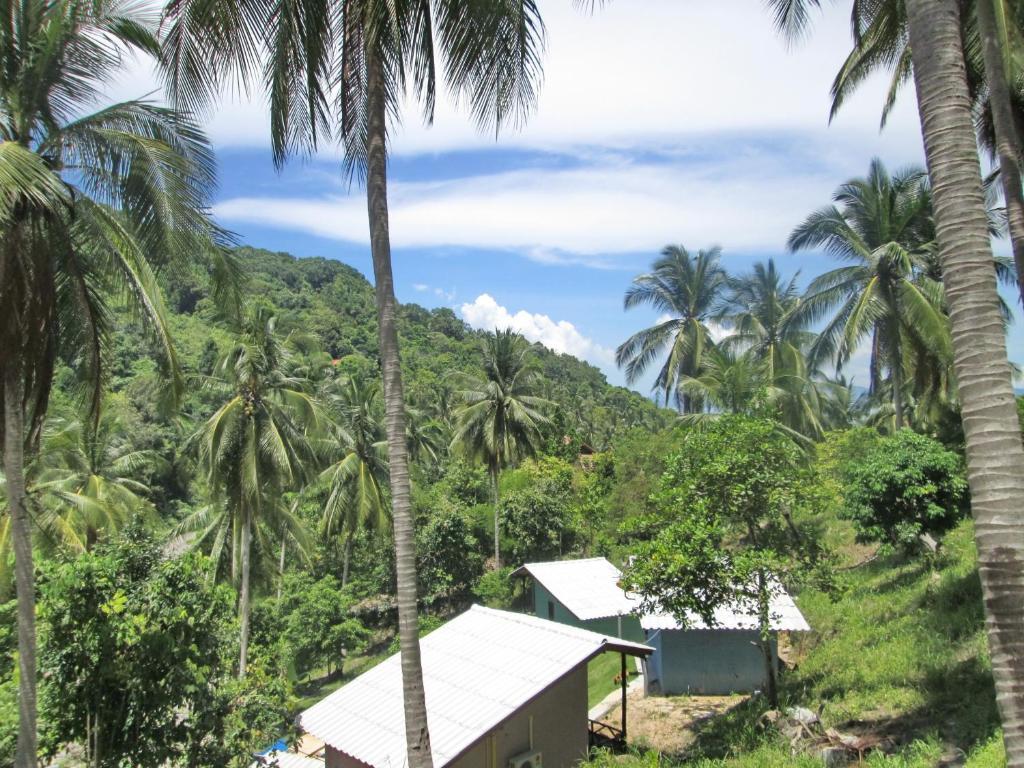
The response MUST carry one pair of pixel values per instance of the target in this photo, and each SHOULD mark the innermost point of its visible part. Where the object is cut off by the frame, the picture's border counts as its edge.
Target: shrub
(902, 488)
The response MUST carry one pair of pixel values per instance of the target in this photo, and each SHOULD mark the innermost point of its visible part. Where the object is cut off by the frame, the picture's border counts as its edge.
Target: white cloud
(420, 287)
(643, 73)
(743, 195)
(561, 335)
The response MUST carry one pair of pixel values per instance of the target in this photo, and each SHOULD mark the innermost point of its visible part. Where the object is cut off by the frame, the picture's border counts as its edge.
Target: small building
(697, 659)
(584, 593)
(502, 689)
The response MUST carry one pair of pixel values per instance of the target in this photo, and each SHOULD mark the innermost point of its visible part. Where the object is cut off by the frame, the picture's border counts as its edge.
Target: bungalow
(502, 689)
(720, 659)
(584, 593)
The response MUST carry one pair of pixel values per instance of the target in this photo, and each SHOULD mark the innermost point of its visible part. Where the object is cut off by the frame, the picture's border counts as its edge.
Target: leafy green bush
(903, 487)
(129, 642)
(537, 521)
(318, 629)
(449, 562)
(494, 588)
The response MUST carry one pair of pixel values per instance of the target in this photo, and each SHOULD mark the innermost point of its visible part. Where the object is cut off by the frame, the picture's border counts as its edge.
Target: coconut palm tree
(882, 227)
(688, 291)
(729, 380)
(763, 311)
(881, 41)
(499, 418)
(86, 479)
(83, 487)
(995, 455)
(355, 479)
(256, 446)
(342, 69)
(94, 200)
(760, 311)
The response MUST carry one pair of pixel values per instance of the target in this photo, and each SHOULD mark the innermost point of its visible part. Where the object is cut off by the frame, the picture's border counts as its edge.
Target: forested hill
(334, 303)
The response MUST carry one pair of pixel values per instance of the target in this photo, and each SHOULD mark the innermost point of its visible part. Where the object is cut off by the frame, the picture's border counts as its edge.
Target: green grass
(900, 650)
(601, 674)
(313, 691)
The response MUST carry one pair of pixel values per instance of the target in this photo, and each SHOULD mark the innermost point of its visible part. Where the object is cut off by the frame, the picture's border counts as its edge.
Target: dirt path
(668, 724)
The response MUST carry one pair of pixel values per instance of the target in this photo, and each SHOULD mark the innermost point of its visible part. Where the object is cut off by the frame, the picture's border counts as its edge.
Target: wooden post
(625, 683)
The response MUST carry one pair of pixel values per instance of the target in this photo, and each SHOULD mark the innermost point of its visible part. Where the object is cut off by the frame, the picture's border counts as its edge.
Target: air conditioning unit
(526, 760)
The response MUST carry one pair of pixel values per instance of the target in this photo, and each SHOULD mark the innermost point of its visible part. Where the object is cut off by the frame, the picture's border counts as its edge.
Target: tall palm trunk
(346, 558)
(24, 571)
(244, 598)
(995, 456)
(496, 495)
(1007, 139)
(896, 373)
(416, 732)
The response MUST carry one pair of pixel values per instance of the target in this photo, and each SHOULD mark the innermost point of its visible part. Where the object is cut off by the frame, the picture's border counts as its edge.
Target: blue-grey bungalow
(695, 659)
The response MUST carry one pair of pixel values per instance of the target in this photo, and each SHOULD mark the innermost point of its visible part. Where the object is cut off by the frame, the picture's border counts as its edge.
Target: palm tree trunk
(1007, 139)
(995, 456)
(243, 596)
(280, 568)
(416, 732)
(896, 374)
(24, 571)
(496, 495)
(346, 557)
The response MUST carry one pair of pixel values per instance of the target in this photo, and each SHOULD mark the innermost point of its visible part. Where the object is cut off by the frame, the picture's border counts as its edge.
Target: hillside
(898, 653)
(335, 304)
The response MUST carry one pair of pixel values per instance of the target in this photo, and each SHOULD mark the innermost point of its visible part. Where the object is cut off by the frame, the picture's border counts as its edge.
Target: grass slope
(900, 651)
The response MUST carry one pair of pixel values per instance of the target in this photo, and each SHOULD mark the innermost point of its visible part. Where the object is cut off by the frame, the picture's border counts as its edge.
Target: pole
(625, 682)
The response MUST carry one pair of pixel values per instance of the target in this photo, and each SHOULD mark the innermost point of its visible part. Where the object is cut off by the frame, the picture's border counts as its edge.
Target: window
(551, 610)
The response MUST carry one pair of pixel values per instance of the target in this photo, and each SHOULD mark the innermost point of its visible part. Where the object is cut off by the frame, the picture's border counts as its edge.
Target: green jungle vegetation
(142, 554)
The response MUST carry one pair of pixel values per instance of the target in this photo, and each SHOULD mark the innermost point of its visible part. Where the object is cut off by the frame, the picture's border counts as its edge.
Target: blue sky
(659, 121)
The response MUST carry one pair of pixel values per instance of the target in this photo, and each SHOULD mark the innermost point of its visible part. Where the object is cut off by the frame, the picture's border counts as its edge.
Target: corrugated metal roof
(478, 669)
(589, 588)
(785, 617)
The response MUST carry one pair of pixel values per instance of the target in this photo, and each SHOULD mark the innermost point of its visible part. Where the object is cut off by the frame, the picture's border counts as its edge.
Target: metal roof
(478, 669)
(785, 617)
(589, 588)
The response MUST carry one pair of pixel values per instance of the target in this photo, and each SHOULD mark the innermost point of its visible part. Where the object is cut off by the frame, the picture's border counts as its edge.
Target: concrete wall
(714, 662)
(559, 717)
(546, 606)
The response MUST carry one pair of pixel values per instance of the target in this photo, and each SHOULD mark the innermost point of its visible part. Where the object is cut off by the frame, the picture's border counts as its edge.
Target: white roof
(478, 669)
(588, 588)
(785, 617)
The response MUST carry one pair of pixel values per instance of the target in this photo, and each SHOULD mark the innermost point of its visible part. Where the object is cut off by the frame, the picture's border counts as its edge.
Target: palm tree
(763, 311)
(995, 455)
(81, 486)
(257, 445)
(881, 40)
(883, 228)
(92, 203)
(760, 311)
(348, 64)
(688, 290)
(729, 381)
(84, 479)
(354, 482)
(499, 417)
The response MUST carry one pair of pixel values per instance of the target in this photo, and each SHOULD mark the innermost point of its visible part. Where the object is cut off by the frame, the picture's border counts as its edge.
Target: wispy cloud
(741, 194)
(486, 313)
(645, 74)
